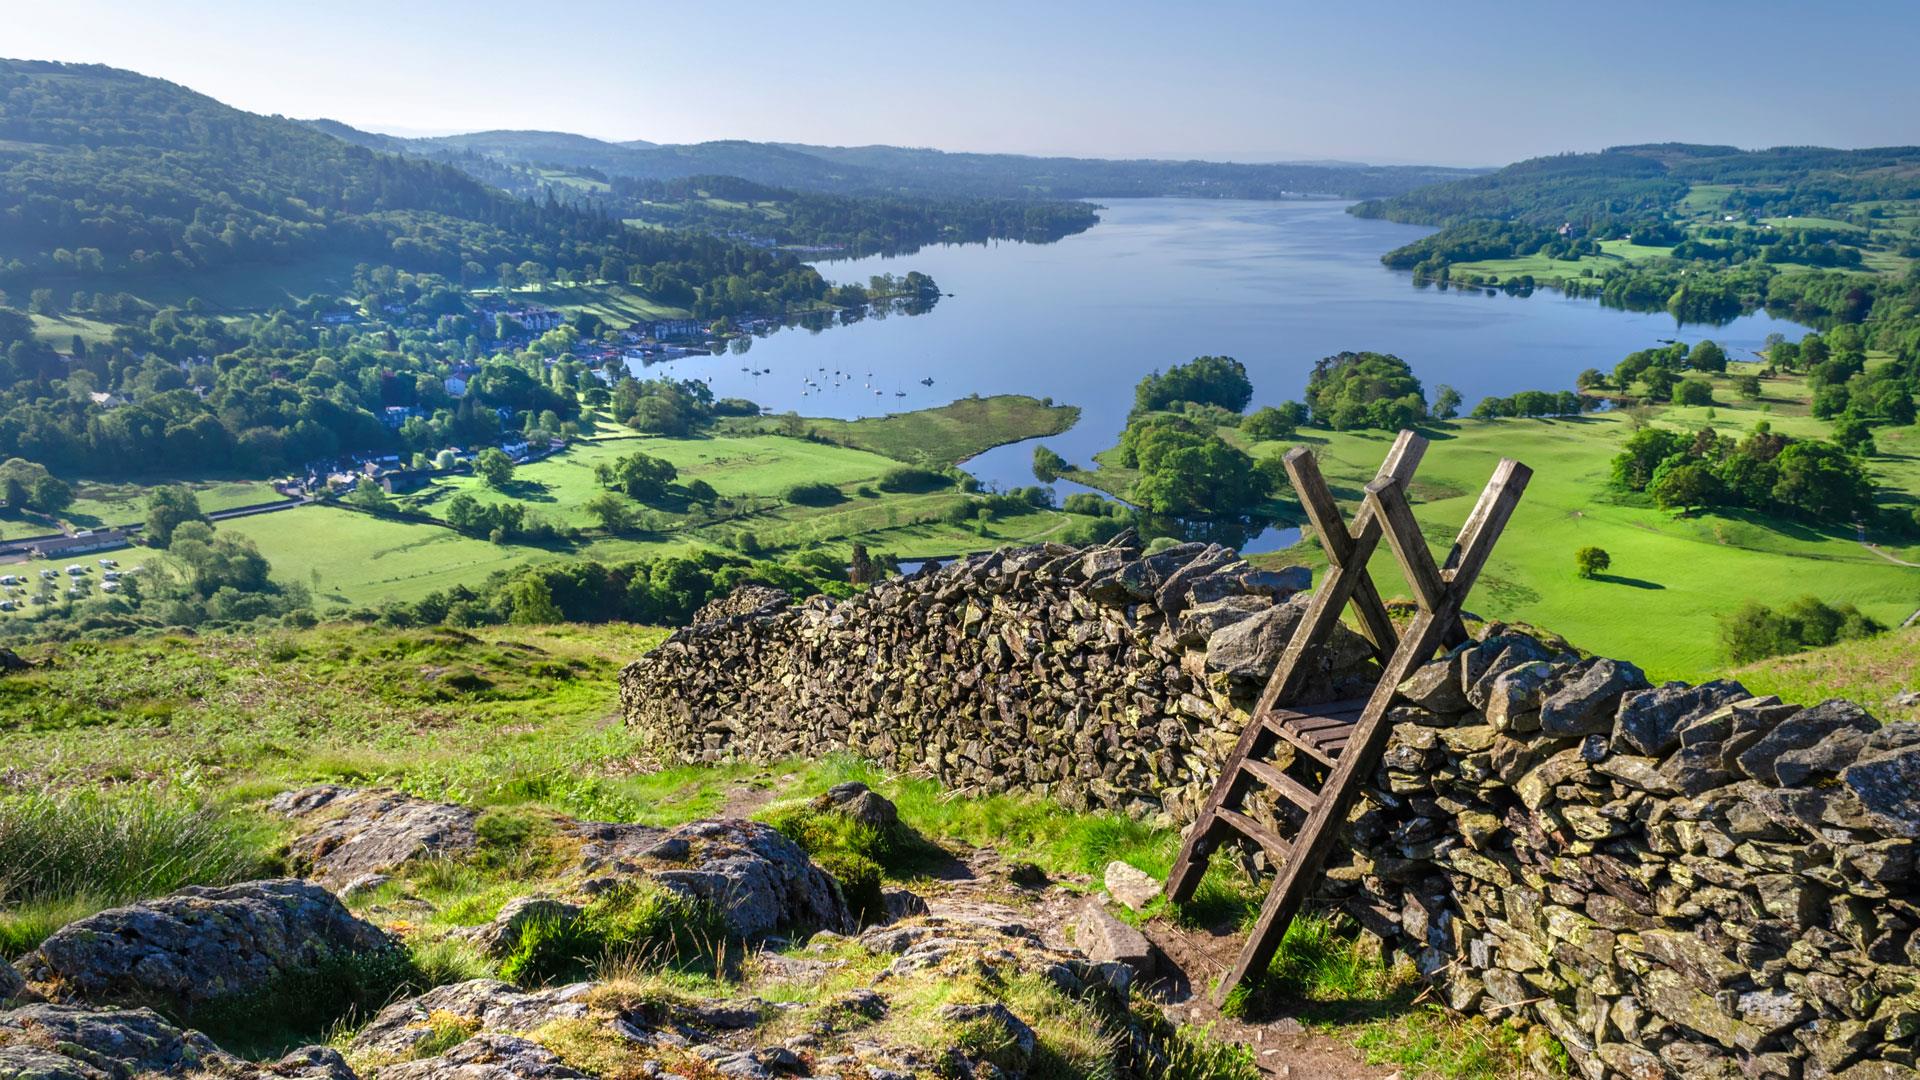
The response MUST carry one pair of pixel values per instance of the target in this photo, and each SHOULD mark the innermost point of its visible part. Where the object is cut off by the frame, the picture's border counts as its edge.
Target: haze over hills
(1653, 178)
(908, 170)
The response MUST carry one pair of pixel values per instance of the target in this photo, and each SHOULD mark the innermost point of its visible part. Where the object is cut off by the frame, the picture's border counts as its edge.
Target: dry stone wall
(1103, 677)
(1675, 881)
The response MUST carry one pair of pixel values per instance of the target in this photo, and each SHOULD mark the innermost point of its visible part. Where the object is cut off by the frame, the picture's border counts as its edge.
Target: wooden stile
(1345, 738)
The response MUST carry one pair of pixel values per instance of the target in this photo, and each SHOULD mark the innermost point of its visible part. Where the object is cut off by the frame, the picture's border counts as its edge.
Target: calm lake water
(1276, 284)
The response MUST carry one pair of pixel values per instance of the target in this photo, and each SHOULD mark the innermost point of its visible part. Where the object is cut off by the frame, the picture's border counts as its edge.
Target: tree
(1748, 386)
(1204, 380)
(1589, 561)
(1822, 480)
(1047, 465)
(1683, 485)
(615, 515)
(637, 475)
(1268, 423)
(1366, 389)
(168, 508)
(493, 466)
(1707, 356)
(1692, 392)
(1641, 455)
(1446, 402)
(368, 496)
(531, 600)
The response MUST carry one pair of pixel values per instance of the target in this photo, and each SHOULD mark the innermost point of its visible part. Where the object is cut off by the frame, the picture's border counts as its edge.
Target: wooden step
(1320, 731)
(1276, 846)
(1282, 784)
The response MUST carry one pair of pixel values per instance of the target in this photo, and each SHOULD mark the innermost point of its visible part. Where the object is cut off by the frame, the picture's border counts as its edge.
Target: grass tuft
(67, 855)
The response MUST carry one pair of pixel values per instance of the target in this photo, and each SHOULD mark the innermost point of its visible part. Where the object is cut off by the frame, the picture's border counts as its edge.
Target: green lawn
(764, 466)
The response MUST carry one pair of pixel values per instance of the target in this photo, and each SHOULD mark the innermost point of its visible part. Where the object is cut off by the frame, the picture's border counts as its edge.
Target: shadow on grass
(1631, 582)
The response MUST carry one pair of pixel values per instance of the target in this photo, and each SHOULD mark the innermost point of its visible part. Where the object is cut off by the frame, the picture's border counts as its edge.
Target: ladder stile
(1346, 746)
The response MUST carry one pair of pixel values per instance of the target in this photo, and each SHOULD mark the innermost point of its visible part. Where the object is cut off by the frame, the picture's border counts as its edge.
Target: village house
(78, 544)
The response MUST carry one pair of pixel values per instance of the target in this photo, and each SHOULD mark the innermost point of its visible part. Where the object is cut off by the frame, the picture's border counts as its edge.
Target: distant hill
(110, 174)
(894, 170)
(1652, 179)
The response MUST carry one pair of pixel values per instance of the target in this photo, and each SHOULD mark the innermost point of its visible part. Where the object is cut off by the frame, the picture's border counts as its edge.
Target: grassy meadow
(1672, 577)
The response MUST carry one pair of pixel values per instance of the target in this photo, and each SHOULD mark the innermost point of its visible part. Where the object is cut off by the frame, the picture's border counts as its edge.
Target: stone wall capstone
(1675, 881)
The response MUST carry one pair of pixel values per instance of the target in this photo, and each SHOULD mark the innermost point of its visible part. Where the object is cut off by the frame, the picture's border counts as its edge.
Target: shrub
(1756, 631)
(816, 493)
(636, 922)
(1047, 465)
(1692, 392)
(300, 1004)
(1267, 423)
(913, 478)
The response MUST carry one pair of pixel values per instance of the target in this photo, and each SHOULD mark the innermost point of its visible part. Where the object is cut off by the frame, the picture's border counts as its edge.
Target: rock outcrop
(1101, 677)
(355, 832)
(759, 881)
(65, 1042)
(200, 945)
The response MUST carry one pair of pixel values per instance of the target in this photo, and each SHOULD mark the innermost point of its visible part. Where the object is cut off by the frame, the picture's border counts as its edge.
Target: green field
(101, 504)
(943, 436)
(618, 304)
(1672, 576)
(753, 466)
(352, 558)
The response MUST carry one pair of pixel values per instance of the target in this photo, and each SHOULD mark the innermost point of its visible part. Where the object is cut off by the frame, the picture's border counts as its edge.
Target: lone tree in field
(1589, 561)
(494, 466)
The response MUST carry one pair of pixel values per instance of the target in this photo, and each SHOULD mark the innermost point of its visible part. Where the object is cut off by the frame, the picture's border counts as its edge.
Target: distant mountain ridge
(880, 169)
(1647, 178)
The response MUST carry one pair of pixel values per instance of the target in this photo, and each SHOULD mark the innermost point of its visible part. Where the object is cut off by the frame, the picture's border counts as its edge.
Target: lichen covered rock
(200, 945)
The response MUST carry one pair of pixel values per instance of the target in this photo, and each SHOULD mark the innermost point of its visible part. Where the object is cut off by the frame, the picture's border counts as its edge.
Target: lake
(1276, 284)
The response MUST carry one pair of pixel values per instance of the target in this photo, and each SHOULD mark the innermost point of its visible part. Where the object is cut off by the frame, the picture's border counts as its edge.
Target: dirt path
(1878, 550)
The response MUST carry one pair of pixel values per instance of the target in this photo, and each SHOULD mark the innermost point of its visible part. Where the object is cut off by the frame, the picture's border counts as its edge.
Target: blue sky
(1463, 82)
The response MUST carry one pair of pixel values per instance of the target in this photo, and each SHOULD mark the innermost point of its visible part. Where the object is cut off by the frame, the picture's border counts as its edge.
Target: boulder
(13, 988)
(502, 935)
(1201, 621)
(306, 1063)
(352, 832)
(751, 873)
(481, 1004)
(488, 1056)
(1107, 940)
(67, 1042)
(201, 944)
(1132, 887)
(1888, 786)
(856, 801)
